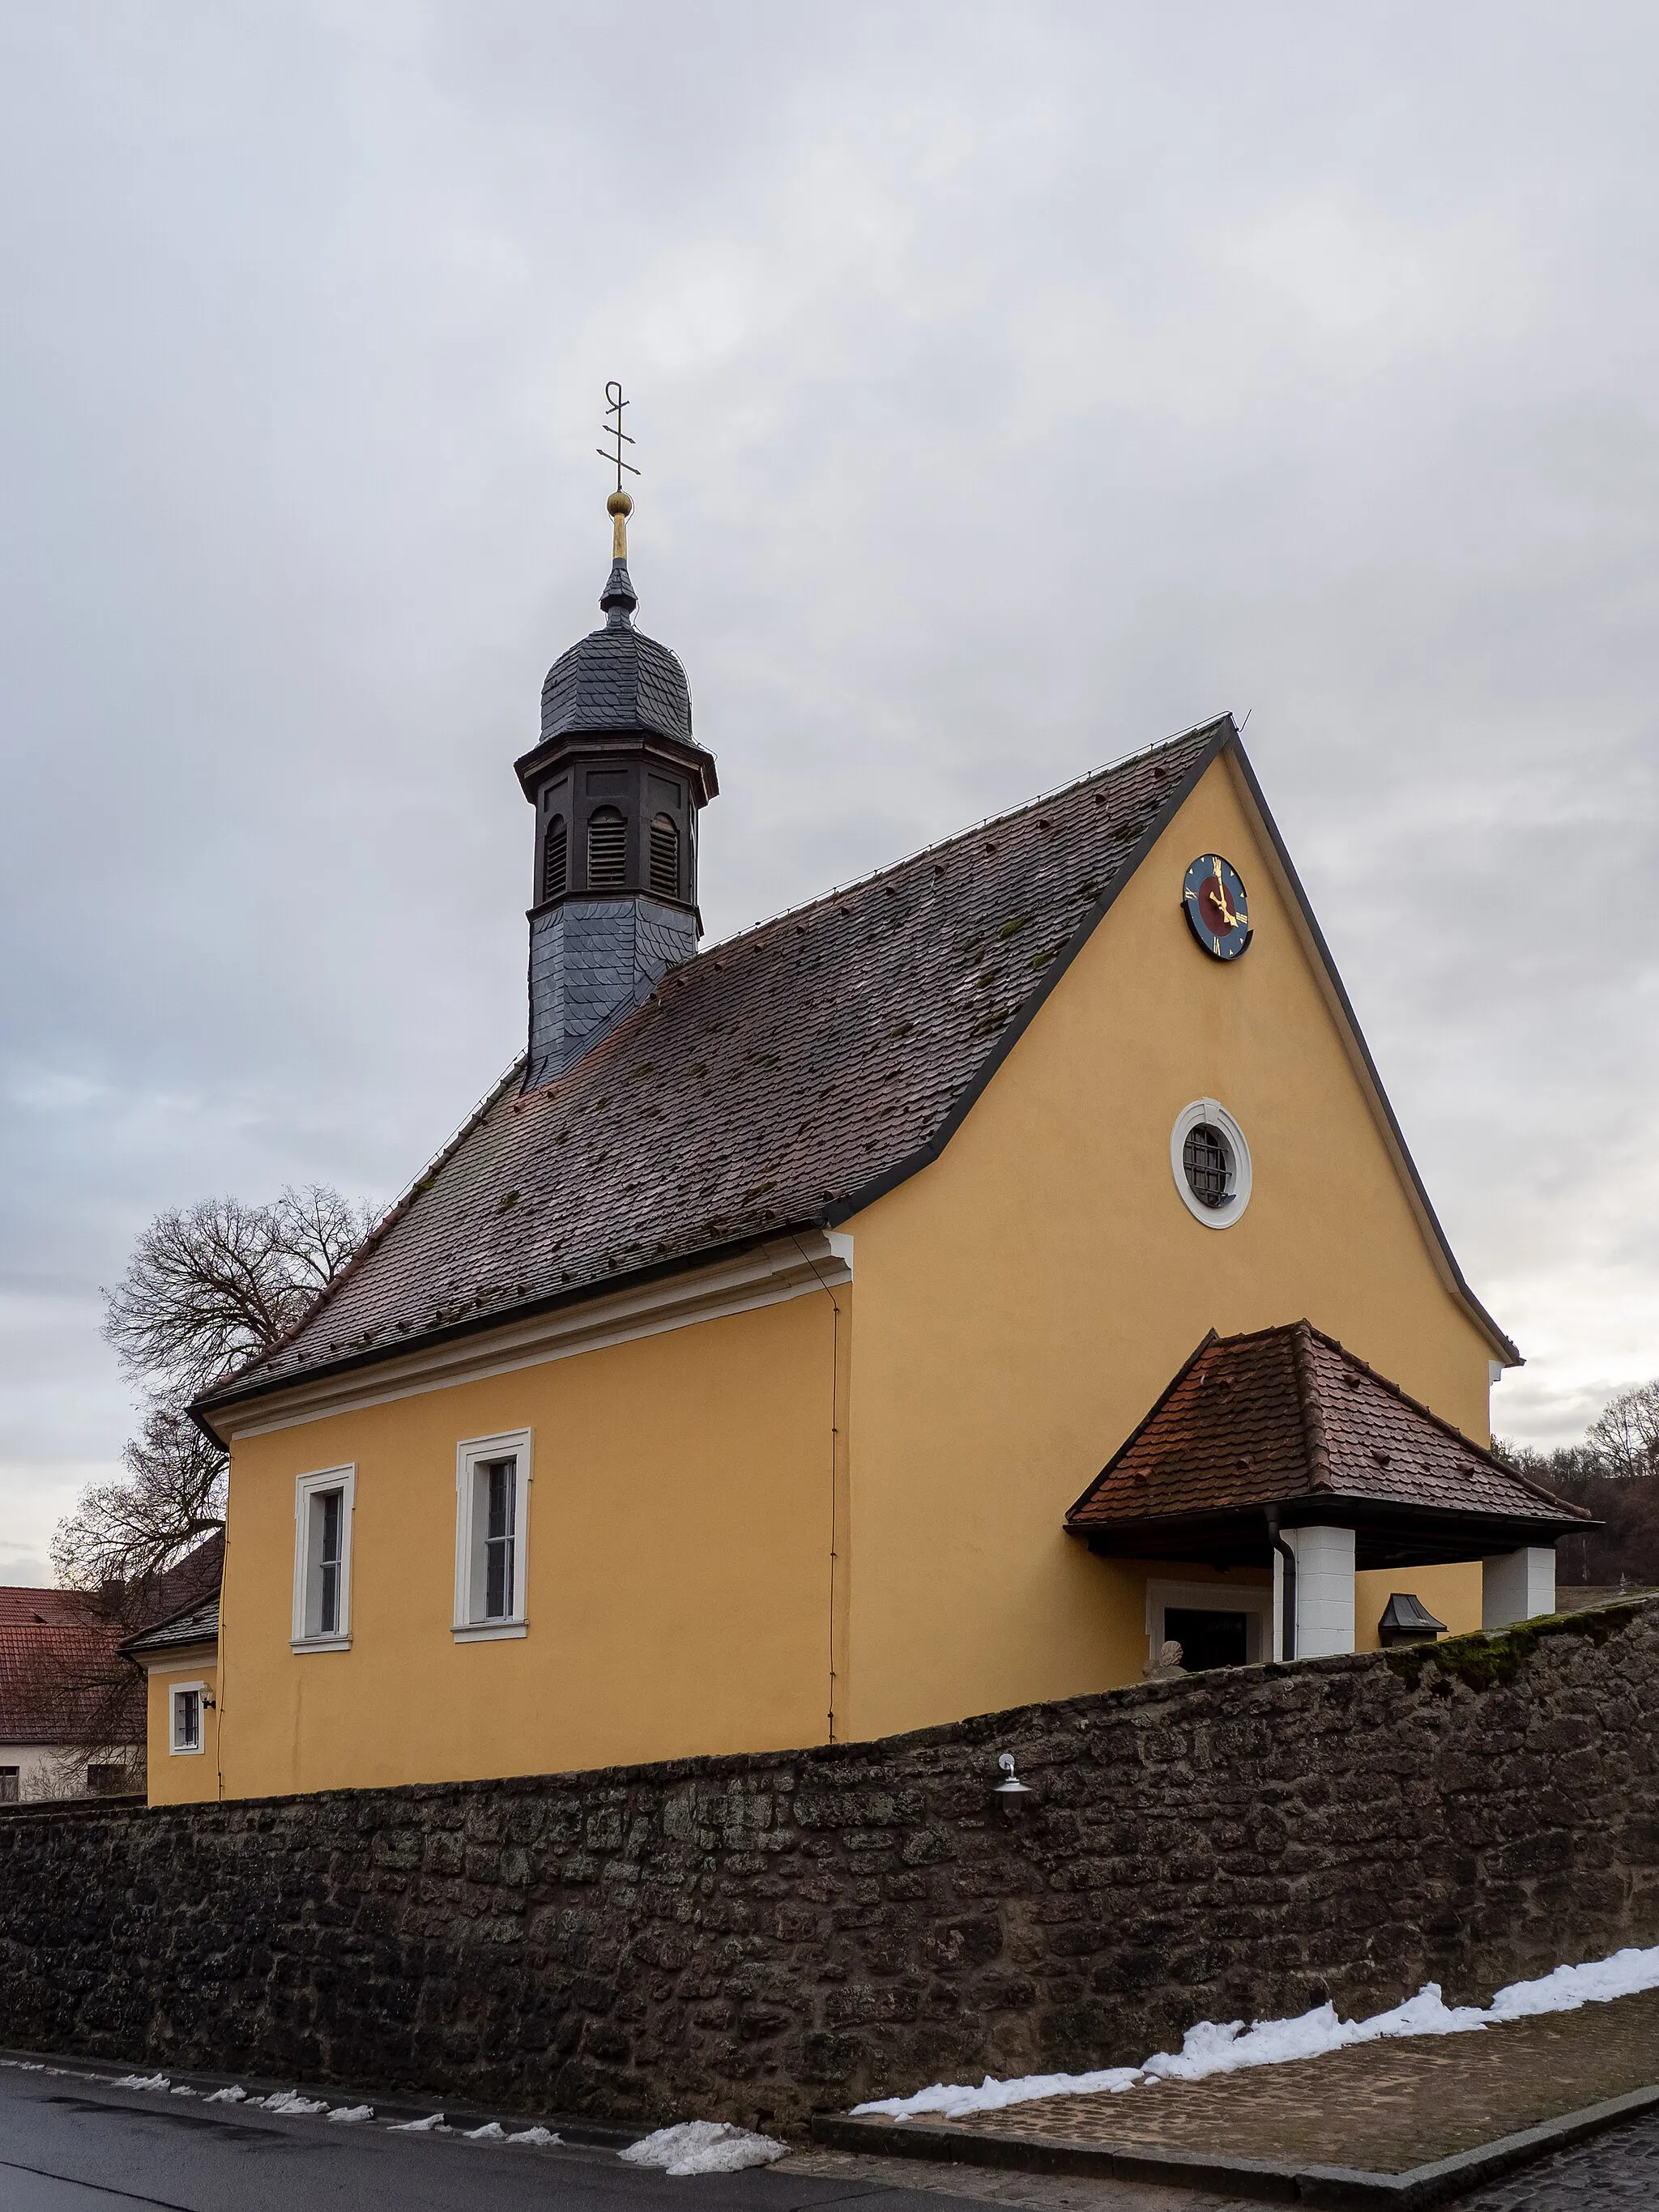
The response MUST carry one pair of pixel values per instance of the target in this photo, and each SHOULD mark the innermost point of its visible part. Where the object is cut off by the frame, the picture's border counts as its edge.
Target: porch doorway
(1208, 1638)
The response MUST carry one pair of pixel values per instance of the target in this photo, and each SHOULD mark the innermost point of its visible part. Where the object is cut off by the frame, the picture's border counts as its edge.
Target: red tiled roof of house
(63, 1675)
(59, 1667)
(1289, 1413)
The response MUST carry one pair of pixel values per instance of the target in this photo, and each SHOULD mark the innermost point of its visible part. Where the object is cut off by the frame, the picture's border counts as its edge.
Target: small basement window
(185, 1699)
(492, 1478)
(607, 849)
(108, 1781)
(322, 1560)
(556, 859)
(665, 857)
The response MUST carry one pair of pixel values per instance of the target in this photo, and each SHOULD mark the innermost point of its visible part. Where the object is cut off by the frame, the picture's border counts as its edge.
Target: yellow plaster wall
(1023, 1301)
(182, 1777)
(678, 1561)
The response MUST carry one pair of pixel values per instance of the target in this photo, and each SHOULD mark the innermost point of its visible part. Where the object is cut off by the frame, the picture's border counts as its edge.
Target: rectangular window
(9, 1781)
(185, 1698)
(492, 1476)
(322, 1560)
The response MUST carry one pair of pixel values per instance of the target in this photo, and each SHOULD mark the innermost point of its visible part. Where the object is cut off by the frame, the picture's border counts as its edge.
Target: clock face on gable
(1212, 898)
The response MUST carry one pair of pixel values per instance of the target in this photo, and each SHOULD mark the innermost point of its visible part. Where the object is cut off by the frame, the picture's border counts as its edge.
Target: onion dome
(617, 679)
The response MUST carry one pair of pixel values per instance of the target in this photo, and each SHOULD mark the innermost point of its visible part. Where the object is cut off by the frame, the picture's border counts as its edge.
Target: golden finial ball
(619, 503)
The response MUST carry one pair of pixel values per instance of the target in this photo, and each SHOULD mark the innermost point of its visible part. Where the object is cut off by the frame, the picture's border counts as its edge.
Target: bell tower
(617, 782)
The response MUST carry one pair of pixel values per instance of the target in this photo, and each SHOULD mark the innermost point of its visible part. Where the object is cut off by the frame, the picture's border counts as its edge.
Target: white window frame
(471, 1625)
(1239, 1175)
(1254, 1599)
(306, 1488)
(199, 1692)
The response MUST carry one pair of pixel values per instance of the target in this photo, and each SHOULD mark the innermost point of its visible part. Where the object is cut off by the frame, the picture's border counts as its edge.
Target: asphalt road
(71, 2144)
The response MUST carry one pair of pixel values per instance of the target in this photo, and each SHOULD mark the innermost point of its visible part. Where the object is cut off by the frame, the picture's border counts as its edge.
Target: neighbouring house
(73, 1699)
(71, 1710)
(741, 1375)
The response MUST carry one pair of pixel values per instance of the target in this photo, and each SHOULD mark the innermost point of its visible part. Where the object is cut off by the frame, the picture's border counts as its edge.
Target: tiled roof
(22, 1606)
(58, 1661)
(1285, 1415)
(616, 678)
(62, 1671)
(200, 1625)
(786, 1077)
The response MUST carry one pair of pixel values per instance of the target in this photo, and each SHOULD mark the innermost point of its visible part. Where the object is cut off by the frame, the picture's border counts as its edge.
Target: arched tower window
(665, 857)
(556, 859)
(607, 849)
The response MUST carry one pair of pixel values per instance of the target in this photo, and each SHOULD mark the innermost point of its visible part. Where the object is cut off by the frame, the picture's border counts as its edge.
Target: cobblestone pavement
(1609, 2174)
(1383, 2107)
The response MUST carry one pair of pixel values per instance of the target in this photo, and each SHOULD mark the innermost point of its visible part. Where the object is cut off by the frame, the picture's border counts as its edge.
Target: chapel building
(947, 1296)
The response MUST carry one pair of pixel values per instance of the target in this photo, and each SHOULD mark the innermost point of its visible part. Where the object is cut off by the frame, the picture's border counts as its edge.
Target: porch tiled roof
(1288, 1413)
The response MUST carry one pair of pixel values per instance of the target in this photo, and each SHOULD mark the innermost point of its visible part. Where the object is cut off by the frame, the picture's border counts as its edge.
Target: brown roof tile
(779, 1078)
(1287, 1413)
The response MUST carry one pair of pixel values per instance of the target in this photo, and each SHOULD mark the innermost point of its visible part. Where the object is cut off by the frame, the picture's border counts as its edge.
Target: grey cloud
(1014, 386)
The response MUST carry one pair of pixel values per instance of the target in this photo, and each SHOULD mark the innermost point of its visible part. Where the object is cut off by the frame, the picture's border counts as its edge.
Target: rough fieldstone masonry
(756, 1937)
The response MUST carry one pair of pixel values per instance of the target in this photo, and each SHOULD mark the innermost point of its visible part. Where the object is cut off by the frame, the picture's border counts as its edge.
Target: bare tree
(1626, 1432)
(208, 1287)
(123, 1536)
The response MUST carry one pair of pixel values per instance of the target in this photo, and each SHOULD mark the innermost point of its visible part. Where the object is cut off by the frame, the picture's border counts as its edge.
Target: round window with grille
(1208, 1164)
(1211, 1163)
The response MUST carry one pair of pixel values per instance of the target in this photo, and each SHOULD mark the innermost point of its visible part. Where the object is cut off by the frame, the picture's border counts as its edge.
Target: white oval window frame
(1239, 1178)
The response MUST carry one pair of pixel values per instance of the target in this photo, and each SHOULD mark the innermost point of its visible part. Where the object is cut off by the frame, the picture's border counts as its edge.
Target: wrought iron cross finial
(614, 404)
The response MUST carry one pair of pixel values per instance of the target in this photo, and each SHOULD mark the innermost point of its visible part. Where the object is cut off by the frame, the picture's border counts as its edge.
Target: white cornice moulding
(787, 1268)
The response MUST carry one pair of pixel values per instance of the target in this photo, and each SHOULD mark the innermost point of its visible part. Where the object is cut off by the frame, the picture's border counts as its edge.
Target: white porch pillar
(1324, 1592)
(1517, 1586)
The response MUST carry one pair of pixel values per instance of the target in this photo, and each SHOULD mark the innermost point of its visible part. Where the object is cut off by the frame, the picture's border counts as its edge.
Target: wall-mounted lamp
(1010, 1793)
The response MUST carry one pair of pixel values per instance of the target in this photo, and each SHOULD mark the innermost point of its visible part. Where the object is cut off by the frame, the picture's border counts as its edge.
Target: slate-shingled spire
(616, 780)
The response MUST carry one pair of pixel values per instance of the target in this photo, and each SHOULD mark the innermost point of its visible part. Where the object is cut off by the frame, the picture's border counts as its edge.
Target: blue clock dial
(1214, 901)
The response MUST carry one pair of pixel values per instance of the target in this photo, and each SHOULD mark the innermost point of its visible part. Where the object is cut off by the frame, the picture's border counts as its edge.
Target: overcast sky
(1015, 384)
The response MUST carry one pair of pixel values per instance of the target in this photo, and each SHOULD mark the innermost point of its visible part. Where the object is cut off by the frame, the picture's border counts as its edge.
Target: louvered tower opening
(665, 857)
(556, 859)
(607, 850)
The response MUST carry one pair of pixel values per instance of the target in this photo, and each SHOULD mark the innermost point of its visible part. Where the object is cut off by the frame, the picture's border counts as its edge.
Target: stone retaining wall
(754, 1938)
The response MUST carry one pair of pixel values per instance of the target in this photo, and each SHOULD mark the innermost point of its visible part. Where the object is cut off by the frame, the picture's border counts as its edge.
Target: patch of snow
(1625, 1974)
(350, 2114)
(491, 2132)
(232, 2096)
(704, 2147)
(291, 2102)
(184, 2090)
(1227, 2047)
(537, 2137)
(991, 2096)
(141, 2081)
(434, 2125)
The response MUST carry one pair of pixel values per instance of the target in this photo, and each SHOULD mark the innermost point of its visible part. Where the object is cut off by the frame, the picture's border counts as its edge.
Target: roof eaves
(1505, 1345)
(1019, 1021)
(702, 1255)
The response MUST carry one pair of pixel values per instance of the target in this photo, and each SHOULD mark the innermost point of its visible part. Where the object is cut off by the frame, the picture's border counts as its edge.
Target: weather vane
(619, 506)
